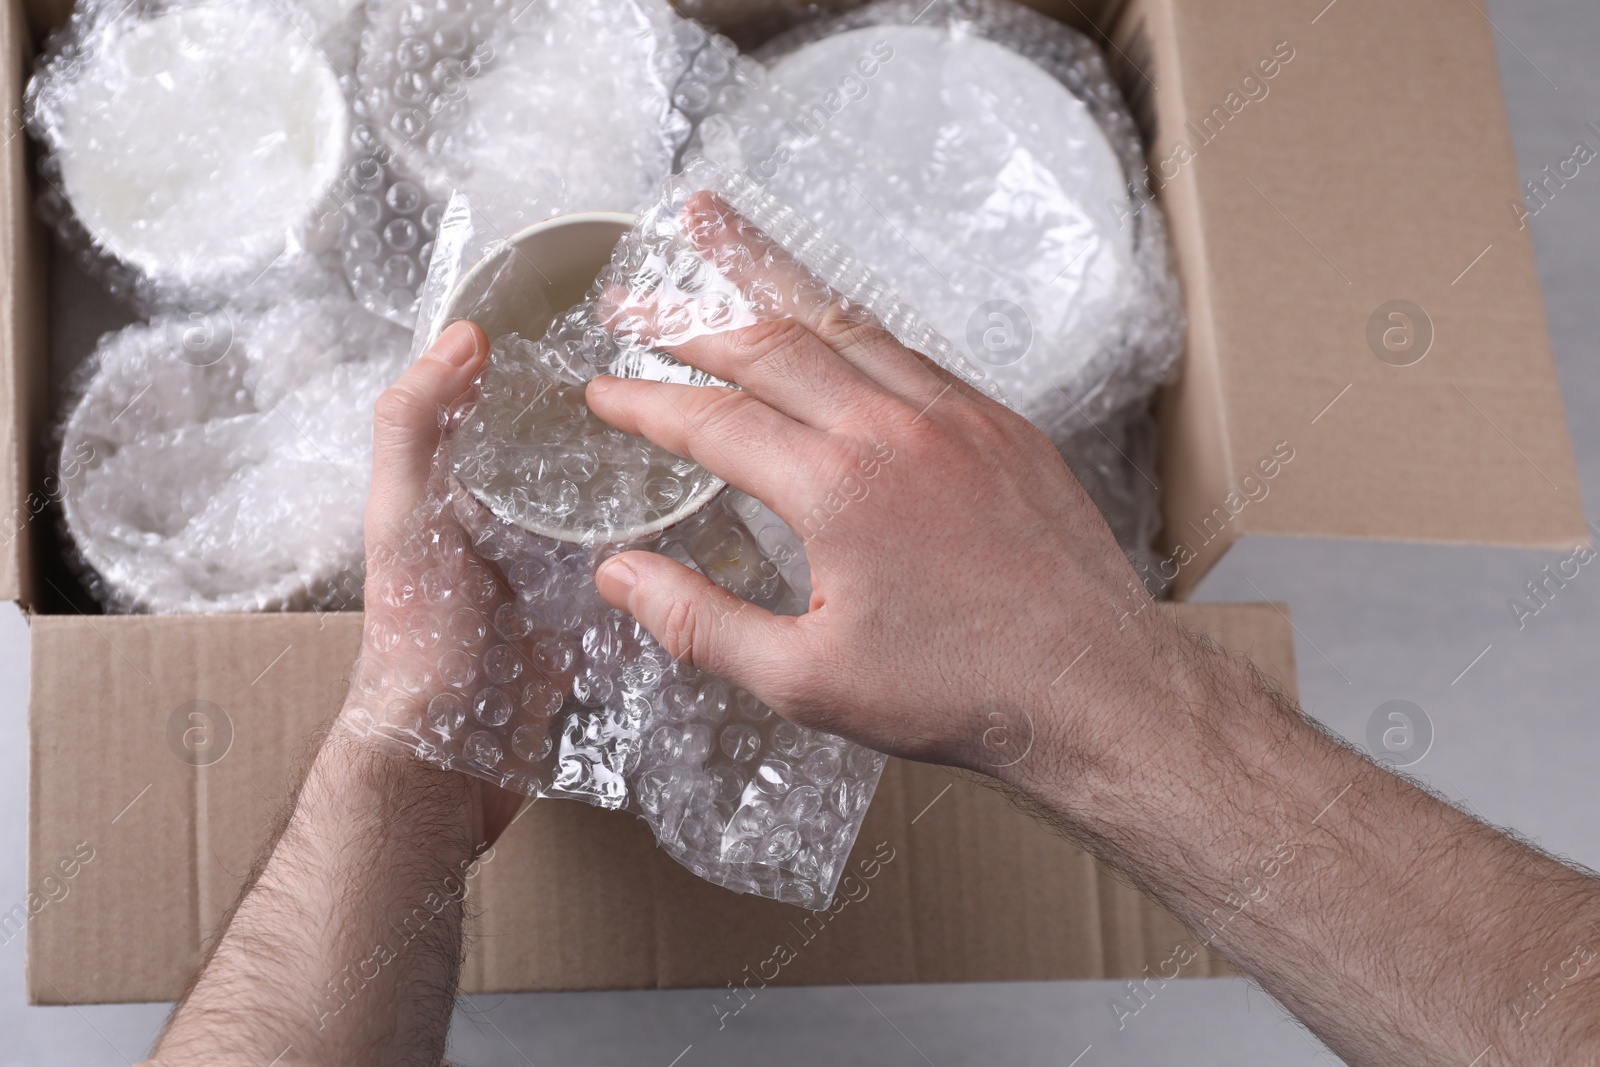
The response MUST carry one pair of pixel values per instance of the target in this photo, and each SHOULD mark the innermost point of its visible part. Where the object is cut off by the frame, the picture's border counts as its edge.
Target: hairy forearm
(1400, 929)
(347, 945)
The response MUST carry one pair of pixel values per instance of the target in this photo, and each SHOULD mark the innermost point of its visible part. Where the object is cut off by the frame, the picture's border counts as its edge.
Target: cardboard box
(974, 889)
(1372, 165)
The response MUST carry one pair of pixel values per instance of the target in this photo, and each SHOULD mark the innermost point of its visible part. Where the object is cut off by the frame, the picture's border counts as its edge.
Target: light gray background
(1516, 736)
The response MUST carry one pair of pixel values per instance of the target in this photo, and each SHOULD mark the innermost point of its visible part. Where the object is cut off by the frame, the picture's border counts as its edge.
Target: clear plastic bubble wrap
(528, 679)
(477, 97)
(978, 155)
(219, 462)
(190, 147)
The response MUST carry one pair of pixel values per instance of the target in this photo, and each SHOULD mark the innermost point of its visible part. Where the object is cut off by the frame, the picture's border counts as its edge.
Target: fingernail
(457, 345)
(615, 571)
(602, 383)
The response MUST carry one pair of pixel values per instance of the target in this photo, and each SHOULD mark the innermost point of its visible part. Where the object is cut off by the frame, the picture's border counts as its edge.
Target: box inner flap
(948, 882)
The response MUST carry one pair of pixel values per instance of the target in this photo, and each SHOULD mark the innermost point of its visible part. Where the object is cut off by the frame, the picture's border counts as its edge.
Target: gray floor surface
(1515, 737)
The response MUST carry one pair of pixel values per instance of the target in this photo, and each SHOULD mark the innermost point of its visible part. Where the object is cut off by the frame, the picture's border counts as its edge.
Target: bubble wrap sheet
(539, 686)
(477, 97)
(191, 146)
(978, 155)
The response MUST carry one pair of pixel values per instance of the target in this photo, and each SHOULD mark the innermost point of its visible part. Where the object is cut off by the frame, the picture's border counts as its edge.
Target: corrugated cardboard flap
(948, 881)
(1371, 176)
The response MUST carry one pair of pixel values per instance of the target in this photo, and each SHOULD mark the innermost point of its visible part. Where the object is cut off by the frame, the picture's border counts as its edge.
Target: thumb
(699, 622)
(406, 429)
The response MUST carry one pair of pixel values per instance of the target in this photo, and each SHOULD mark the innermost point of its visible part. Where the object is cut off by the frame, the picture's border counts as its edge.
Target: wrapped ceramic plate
(978, 155)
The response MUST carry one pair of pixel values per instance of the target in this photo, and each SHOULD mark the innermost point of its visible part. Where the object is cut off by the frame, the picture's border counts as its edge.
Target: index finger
(776, 285)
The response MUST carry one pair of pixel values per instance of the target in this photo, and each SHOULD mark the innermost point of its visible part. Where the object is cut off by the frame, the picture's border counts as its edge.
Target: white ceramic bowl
(521, 286)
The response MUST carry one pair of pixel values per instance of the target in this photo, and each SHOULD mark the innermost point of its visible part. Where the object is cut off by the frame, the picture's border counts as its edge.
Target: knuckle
(839, 478)
(840, 329)
(952, 420)
(981, 427)
(772, 344)
(883, 415)
(927, 430)
(400, 411)
(1027, 436)
(720, 412)
(681, 630)
(842, 459)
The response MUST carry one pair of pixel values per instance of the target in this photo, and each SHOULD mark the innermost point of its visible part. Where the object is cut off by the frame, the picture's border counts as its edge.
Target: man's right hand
(966, 592)
(971, 607)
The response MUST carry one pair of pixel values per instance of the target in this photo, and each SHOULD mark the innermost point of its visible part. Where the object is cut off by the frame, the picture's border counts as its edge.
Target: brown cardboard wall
(45, 15)
(951, 882)
(1376, 169)
(23, 351)
(1375, 166)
